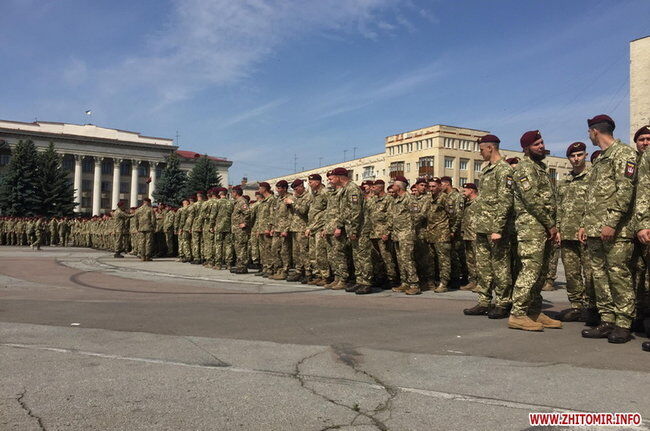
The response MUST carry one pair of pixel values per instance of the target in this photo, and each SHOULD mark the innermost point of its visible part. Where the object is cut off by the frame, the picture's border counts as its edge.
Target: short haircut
(604, 127)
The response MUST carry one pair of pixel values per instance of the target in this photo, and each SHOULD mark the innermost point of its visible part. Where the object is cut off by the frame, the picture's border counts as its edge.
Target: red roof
(192, 155)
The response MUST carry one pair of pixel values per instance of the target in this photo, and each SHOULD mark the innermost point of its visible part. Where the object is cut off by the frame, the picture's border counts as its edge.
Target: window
(68, 163)
(87, 164)
(463, 181)
(124, 187)
(396, 168)
(106, 186)
(4, 159)
(463, 164)
(143, 171)
(425, 166)
(408, 167)
(107, 167)
(125, 169)
(85, 202)
(478, 164)
(449, 143)
(449, 163)
(86, 185)
(368, 173)
(142, 188)
(410, 147)
(356, 177)
(106, 203)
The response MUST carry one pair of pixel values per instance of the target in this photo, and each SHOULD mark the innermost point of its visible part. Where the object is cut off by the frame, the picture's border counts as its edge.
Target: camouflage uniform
(468, 235)
(422, 250)
(223, 251)
(281, 245)
(494, 206)
(350, 220)
(402, 231)
(264, 218)
(380, 218)
(120, 230)
(455, 203)
(254, 243)
(535, 211)
(438, 212)
(335, 247)
(241, 214)
(184, 235)
(197, 230)
(572, 195)
(610, 203)
(189, 214)
(299, 242)
(642, 221)
(145, 221)
(209, 216)
(318, 265)
(168, 231)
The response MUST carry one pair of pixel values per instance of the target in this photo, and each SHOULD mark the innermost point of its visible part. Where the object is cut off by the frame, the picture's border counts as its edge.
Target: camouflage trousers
(579, 283)
(640, 259)
(170, 243)
(281, 252)
(493, 270)
(318, 264)
(361, 259)
(38, 240)
(135, 243)
(534, 255)
(185, 245)
(300, 250)
(337, 257)
(423, 260)
(404, 249)
(254, 247)
(240, 238)
(552, 264)
(266, 258)
(146, 244)
(207, 246)
(441, 252)
(197, 245)
(610, 263)
(120, 242)
(223, 248)
(458, 269)
(470, 260)
(387, 269)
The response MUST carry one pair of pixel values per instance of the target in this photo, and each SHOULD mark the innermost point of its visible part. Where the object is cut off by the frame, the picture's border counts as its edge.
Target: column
(116, 183)
(77, 182)
(152, 174)
(97, 186)
(134, 182)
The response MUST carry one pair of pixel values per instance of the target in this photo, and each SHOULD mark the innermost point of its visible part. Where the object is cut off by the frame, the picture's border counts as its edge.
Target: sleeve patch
(509, 181)
(354, 198)
(630, 169)
(525, 183)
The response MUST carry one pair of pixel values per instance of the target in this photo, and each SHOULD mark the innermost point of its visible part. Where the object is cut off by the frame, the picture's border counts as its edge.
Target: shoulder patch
(630, 169)
(509, 181)
(525, 183)
(354, 198)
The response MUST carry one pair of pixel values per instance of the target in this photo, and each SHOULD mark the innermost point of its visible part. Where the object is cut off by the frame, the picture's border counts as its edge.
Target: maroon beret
(200, 192)
(401, 178)
(265, 185)
(645, 130)
(595, 155)
(315, 177)
(421, 180)
(512, 160)
(446, 179)
(367, 183)
(193, 197)
(237, 189)
(297, 183)
(120, 204)
(146, 200)
(601, 119)
(529, 138)
(489, 138)
(221, 190)
(470, 186)
(379, 183)
(212, 191)
(282, 183)
(575, 147)
(435, 180)
(340, 171)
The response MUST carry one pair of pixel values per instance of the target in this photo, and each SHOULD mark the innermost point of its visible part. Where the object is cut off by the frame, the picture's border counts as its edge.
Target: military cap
(237, 189)
(402, 178)
(265, 185)
(489, 138)
(282, 183)
(329, 173)
(297, 183)
(315, 177)
(575, 147)
(340, 171)
(601, 119)
(529, 138)
(200, 192)
(421, 180)
(470, 186)
(146, 200)
(645, 130)
(594, 155)
(446, 179)
(213, 191)
(435, 180)
(367, 183)
(221, 190)
(379, 183)
(512, 160)
(120, 204)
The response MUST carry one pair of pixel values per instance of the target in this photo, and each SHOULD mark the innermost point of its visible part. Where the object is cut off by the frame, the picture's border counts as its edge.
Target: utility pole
(178, 144)
(354, 152)
(344, 153)
(320, 162)
(295, 163)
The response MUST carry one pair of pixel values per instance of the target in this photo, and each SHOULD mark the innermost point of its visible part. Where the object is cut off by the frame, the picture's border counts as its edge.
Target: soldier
(379, 236)
(241, 229)
(168, 231)
(120, 229)
(642, 216)
(607, 229)
(52, 232)
(423, 253)
(334, 246)
(223, 231)
(196, 228)
(468, 233)
(299, 207)
(572, 195)
(402, 232)
(159, 236)
(493, 223)
(145, 221)
(183, 230)
(64, 231)
(318, 264)
(264, 220)
(280, 220)
(439, 212)
(254, 243)
(209, 216)
(455, 202)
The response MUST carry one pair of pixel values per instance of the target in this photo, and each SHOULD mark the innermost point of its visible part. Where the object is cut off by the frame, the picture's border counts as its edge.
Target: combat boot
(118, 256)
(353, 288)
(442, 287)
(601, 331)
(524, 323)
(279, 276)
(571, 315)
(498, 312)
(364, 290)
(304, 279)
(413, 290)
(619, 335)
(429, 285)
(260, 274)
(323, 282)
(592, 317)
(401, 288)
(646, 326)
(477, 310)
(341, 285)
(295, 276)
(314, 281)
(548, 286)
(645, 346)
(469, 286)
(546, 321)
(332, 284)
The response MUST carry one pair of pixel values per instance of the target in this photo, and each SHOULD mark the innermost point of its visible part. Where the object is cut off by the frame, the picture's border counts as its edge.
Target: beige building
(639, 84)
(432, 151)
(105, 165)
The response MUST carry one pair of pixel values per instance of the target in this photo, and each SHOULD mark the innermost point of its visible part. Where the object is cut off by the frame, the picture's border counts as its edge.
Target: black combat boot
(601, 331)
(646, 346)
(477, 310)
(619, 335)
(364, 290)
(498, 312)
(592, 317)
(571, 315)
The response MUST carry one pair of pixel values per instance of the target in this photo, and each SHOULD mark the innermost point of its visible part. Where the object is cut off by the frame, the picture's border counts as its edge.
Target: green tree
(170, 188)
(56, 190)
(19, 190)
(203, 176)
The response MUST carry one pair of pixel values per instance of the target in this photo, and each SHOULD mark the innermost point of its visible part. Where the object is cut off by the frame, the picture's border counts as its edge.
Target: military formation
(501, 240)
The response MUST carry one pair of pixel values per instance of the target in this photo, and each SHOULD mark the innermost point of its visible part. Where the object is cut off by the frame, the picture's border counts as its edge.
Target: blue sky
(259, 81)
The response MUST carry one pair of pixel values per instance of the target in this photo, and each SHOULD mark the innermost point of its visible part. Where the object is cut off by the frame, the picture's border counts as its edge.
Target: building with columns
(639, 84)
(105, 165)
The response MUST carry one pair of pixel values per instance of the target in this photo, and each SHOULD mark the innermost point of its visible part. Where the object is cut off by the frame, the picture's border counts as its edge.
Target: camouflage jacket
(241, 213)
(168, 221)
(53, 225)
(642, 202)
(421, 205)
(572, 196)
(188, 219)
(121, 221)
(223, 219)
(264, 213)
(209, 213)
(610, 197)
(455, 201)
(255, 219)
(197, 216)
(331, 215)
(145, 219)
(350, 216)
(379, 213)
(535, 202)
(468, 219)
(179, 219)
(403, 211)
(160, 217)
(494, 204)
(438, 212)
(281, 214)
(317, 210)
(300, 212)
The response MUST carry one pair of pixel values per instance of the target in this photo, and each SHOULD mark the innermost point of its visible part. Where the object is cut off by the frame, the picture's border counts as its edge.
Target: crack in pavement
(29, 411)
(219, 363)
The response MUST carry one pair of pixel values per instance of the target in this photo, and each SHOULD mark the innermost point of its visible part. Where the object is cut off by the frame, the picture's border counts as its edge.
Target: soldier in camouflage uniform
(642, 221)
(196, 217)
(120, 229)
(241, 230)
(223, 254)
(334, 246)
(468, 233)
(535, 224)
(53, 232)
(379, 213)
(254, 243)
(493, 225)
(183, 229)
(572, 195)
(299, 207)
(422, 251)
(606, 227)
(318, 265)
(264, 219)
(455, 202)
(280, 223)
(168, 231)
(145, 222)
(209, 217)
(402, 232)
(64, 232)
(439, 212)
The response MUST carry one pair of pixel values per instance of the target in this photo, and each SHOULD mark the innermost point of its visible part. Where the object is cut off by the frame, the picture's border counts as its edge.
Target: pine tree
(56, 189)
(170, 188)
(203, 176)
(19, 190)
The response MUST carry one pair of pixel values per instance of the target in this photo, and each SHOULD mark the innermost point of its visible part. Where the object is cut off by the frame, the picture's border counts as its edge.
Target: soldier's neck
(605, 142)
(495, 157)
(579, 169)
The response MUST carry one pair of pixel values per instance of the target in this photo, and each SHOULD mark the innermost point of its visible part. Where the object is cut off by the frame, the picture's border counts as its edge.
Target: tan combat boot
(525, 323)
(546, 321)
(401, 288)
(441, 288)
(413, 290)
(314, 281)
(469, 286)
(332, 284)
(322, 282)
(429, 285)
(341, 285)
(548, 286)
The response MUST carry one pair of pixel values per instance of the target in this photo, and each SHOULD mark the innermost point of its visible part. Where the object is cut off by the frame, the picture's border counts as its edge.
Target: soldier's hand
(353, 237)
(242, 225)
(337, 232)
(284, 234)
(307, 232)
(267, 232)
(607, 233)
(494, 237)
(288, 201)
(553, 235)
(385, 237)
(582, 235)
(644, 236)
